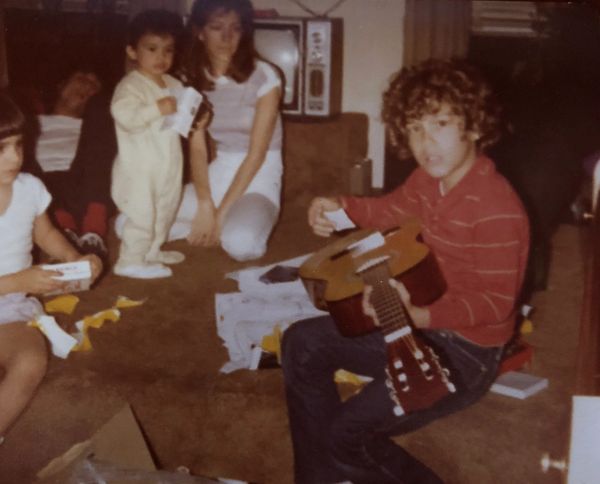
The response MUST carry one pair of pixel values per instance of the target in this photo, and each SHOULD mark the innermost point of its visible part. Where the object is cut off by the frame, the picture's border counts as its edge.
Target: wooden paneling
(588, 355)
(43, 47)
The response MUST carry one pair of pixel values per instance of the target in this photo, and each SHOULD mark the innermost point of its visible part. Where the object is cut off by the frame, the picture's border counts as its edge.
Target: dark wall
(43, 48)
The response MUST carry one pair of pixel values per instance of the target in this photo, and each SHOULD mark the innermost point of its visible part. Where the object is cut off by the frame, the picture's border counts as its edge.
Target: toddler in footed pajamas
(147, 173)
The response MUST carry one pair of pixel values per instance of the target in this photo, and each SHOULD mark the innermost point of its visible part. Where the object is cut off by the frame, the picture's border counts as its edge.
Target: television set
(308, 52)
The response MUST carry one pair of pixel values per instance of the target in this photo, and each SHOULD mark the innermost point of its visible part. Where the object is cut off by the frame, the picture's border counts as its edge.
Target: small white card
(78, 276)
(188, 103)
(340, 219)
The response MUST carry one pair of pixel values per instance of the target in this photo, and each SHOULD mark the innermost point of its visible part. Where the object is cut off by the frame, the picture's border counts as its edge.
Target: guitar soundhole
(389, 231)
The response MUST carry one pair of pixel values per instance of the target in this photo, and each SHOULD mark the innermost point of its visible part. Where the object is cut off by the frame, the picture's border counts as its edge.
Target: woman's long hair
(196, 61)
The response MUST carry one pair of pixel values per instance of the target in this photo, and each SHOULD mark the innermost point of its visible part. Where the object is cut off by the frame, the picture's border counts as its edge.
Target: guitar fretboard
(384, 298)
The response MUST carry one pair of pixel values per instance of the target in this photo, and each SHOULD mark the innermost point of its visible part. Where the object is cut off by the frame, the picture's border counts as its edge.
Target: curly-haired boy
(444, 114)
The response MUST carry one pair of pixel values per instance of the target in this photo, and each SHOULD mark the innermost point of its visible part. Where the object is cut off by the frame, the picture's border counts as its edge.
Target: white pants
(252, 217)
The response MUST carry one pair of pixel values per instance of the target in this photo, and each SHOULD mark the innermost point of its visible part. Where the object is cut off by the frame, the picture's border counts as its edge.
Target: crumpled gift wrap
(62, 343)
(65, 304)
(271, 343)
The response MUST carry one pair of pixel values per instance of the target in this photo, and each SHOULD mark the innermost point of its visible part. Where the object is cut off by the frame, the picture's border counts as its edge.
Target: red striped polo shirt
(479, 233)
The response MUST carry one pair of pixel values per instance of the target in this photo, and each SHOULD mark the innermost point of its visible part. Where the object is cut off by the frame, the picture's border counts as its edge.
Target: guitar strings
(389, 308)
(388, 304)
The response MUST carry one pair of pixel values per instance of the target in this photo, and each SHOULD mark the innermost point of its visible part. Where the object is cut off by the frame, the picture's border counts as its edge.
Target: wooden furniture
(587, 380)
(319, 154)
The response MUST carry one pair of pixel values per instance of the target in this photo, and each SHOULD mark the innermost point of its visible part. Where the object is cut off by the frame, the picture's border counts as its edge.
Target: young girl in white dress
(23, 222)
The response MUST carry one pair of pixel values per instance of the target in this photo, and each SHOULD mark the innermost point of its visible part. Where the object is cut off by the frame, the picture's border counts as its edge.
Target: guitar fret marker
(399, 333)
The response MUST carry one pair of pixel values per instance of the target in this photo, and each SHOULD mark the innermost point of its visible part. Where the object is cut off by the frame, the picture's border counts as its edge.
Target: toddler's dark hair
(12, 120)
(422, 89)
(157, 22)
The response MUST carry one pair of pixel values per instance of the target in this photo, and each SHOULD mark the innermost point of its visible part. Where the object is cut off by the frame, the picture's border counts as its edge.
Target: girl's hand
(204, 226)
(420, 316)
(197, 137)
(95, 264)
(320, 224)
(167, 105)
(36, 280)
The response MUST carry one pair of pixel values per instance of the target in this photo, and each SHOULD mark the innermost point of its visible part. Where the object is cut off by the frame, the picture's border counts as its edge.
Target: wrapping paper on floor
(61, 342)
(244, 318)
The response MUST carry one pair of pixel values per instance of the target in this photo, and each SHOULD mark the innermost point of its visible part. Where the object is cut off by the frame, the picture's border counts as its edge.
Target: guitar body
(335, 278)
(330, 278)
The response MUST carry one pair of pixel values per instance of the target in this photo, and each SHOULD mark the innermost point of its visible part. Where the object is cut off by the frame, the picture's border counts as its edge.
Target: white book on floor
(518, 384)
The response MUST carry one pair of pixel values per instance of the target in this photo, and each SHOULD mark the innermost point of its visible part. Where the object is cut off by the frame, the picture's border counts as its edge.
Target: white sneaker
(166, 257)
(143, 271)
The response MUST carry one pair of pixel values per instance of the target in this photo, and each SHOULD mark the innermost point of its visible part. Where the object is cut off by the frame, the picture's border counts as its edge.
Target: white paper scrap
(61, 342)
(243, 320)
(245, 317)
(340, 219)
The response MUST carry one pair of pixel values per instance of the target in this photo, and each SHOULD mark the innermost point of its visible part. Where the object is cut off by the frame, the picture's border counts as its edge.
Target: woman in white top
(233, 200)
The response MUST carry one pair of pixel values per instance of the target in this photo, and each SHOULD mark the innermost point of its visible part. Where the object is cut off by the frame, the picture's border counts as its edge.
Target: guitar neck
(386, 301)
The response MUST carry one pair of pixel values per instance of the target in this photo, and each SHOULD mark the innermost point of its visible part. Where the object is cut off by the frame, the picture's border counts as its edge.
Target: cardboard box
(115, 454)
(76, 275)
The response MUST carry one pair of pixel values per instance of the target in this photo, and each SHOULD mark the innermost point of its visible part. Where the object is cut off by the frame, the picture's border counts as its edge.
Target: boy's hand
(420, 316)
(95, 264)
(320, 224)
(36, 280)
(167, 105)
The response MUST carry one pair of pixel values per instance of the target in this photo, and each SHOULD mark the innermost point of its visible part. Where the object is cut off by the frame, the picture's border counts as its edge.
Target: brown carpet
(163, 359)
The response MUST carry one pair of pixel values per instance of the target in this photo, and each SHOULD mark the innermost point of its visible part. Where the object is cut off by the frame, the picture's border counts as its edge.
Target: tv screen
(280, 45)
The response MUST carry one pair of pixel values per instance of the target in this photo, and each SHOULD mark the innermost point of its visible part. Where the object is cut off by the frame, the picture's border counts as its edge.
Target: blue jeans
(334, 440)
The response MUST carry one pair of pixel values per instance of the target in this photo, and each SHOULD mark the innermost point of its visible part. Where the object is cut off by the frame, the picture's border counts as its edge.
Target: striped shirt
(479, 233)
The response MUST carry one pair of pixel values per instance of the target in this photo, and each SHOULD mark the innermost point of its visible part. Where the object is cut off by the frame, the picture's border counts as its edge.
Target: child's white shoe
(142, 271)
(166, 257)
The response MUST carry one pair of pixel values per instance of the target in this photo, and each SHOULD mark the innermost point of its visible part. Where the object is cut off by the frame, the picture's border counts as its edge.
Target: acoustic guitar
(335, 278)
